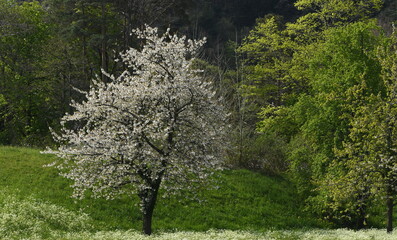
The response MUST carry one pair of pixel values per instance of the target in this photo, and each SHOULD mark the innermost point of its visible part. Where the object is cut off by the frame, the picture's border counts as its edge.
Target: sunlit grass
(242, 201)
(35, 204)
(30, 218)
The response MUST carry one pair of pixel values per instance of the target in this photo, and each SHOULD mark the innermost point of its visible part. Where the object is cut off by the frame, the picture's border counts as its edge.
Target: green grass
(243, 200)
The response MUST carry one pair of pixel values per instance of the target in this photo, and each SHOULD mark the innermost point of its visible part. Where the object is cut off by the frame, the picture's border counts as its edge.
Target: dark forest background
(50, 47)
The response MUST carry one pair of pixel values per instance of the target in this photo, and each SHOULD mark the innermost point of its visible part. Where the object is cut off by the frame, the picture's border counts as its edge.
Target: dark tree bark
(390, 192)
(390, 205)
(148, 198)
(104, 58)
(360, 223)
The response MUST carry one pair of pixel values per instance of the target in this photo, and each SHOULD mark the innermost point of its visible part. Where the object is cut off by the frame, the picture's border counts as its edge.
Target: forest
(299, 90)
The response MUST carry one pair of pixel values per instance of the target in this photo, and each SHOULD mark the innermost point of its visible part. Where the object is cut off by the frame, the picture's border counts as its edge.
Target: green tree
(277, 71)
(273, 48)
(267, 51)
(323, 14)
(93, 29)
(370, 150)
(318, 122)
(26, 107)
(344, 61)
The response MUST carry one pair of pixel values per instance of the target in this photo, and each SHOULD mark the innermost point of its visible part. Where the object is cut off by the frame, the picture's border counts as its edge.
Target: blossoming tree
(157, 125)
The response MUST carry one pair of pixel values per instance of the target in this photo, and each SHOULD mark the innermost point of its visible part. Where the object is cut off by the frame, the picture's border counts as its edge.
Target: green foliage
(263, 153)
(368, 154)
(343, 60)
(336, 68)
(272, 46)
(324, 14)
(268, 49)
(295, 74)
(316, 119)
(26, 106)
(266, 84)
(347, 57)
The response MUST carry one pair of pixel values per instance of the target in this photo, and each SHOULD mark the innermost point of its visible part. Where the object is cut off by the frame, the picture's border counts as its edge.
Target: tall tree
(311, 65)
(26, 93)
(273, 47)
(336, 68)
(369, 153)
(155, 126)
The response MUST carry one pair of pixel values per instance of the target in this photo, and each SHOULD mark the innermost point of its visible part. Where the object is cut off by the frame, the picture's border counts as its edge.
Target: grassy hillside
(243, 200)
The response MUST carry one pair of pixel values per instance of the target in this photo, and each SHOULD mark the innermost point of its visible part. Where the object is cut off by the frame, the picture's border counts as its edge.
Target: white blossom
(157, 121)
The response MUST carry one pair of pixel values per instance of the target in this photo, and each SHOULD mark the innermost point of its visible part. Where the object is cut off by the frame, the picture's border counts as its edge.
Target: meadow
(35, 204)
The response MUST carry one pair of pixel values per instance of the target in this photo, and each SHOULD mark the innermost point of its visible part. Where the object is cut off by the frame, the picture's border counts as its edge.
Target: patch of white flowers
(337, 234)
(33, 219)
(157, 122)
(340, 234)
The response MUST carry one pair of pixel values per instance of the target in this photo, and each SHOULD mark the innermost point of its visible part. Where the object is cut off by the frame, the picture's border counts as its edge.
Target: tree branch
(180, 109)
(160, 151)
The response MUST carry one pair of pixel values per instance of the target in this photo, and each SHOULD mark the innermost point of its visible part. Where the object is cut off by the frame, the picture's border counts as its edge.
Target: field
(35, 204)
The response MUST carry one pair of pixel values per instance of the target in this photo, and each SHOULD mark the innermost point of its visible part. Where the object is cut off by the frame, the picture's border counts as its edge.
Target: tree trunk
(360, 224)
(362, 201)
(104, 60)
(147, 220)
(389, 203)
(148, 198)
